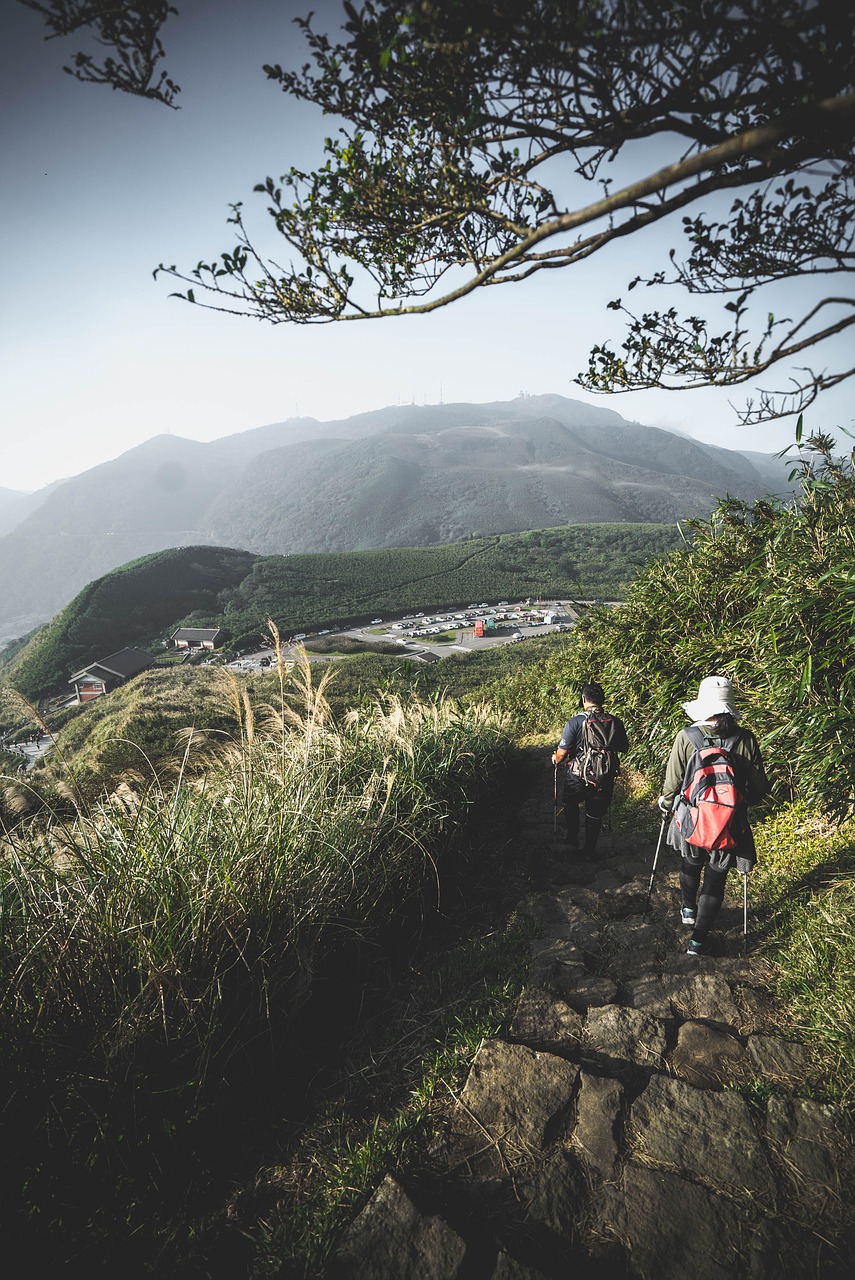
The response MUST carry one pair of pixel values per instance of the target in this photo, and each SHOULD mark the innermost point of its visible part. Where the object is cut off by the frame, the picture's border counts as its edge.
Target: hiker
(590, 745)
(714, 724)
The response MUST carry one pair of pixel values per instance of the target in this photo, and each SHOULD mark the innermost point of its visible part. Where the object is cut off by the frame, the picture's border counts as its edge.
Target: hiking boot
(694, 948)
(689, 915)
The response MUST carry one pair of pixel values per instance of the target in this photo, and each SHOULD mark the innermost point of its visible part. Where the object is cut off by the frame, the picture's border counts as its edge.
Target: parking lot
(418, 634)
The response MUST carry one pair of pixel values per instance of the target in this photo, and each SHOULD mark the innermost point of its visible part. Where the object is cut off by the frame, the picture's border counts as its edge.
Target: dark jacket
(753, 782)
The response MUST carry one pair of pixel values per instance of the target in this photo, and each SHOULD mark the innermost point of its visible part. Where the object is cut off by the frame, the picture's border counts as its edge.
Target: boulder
(672, 1229)
(508, 1268)
(598, 1110)
(631, 947)
(392, 1240)
(582, 991)
(625, 899)
(702, 995)
(546, 953)
(554, 1194)
(648, 993)
(704, 1135)
(550, 909)
(706, 1056)
(632, 1035)
(780, 1061)
(543, 1021)
(515, 1094)
(810, 1141)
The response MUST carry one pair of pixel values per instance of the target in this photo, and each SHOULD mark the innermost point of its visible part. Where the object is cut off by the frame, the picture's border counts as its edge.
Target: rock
(545, 953)
(586, 898)
(586, 934)
(632, 1035)
(702, 1134)
(625, 900)
(392, 1240)
(672, 1229)
(514, 1094)
(706, 1056)
(632, 946)
(551, 909)
(554, 1193)
(508, 1268)
(606, 880)
(810, 1141)
(598, 1110)
(702, 995)
(543, 1021)
(648, 993)
(779, 1060)
(582, 991)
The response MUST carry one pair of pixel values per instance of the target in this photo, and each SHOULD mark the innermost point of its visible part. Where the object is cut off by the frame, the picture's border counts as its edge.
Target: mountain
(400, 476)
(435, 474)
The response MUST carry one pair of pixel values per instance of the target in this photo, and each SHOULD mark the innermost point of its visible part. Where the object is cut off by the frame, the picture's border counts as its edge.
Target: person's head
(715, 699)
(592, 696)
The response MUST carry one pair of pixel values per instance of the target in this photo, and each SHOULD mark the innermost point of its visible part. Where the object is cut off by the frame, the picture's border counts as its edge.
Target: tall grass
(156, 940)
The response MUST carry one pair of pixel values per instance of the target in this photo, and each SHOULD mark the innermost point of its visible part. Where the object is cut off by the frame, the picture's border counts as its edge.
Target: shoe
(689, 915)
(694, 948)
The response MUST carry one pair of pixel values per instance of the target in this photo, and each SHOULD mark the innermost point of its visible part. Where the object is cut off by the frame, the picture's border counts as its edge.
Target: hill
(127, 607)
(400, 476)
(213, 586)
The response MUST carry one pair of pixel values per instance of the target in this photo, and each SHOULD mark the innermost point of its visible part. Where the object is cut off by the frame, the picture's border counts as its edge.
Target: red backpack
(711, 796)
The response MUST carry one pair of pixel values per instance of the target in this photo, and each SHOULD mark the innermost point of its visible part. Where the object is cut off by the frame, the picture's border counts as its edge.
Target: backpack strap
(699, 739)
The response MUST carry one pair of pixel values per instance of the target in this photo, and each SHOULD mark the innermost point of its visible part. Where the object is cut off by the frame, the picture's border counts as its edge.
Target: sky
(99, 188)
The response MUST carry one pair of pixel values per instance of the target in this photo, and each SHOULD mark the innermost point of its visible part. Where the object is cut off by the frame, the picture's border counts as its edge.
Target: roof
(196, 633)
(124, 664)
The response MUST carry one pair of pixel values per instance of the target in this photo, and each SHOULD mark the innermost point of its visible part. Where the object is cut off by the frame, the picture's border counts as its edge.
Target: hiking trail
(643, 1116)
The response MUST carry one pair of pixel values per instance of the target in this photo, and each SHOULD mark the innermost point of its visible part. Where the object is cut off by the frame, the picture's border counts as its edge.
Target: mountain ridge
(403, 475)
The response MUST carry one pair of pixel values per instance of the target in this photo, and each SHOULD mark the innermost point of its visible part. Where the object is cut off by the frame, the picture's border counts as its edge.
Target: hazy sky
(100, 187)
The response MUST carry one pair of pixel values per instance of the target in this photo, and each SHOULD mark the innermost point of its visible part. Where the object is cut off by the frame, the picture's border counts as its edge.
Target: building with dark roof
(196, 637)
(108, 673)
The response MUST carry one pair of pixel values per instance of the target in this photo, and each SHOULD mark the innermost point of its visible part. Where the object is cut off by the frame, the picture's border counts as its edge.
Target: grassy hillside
(302, 591)
(214, 586)
(127, 607)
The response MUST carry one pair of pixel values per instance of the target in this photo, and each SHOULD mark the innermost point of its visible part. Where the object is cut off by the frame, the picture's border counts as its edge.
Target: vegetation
(470, 136)
(130, 606)
(178, 941)
(300, 591)
(143, 601)
(174, 944)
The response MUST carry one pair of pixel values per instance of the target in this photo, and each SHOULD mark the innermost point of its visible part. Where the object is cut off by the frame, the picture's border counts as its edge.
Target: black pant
(596, 801)
(708, 902)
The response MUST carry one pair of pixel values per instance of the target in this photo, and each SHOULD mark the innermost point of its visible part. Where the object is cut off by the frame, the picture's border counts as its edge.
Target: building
(107, 674)
(196, 637)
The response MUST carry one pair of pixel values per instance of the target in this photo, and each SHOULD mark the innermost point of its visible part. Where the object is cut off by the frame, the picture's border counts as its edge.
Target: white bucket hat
(715, 697)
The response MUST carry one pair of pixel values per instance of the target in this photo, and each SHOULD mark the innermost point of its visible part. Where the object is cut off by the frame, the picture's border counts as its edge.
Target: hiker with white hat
(715, 771)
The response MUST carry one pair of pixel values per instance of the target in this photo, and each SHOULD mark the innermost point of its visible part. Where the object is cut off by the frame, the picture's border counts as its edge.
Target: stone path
(642, 1117)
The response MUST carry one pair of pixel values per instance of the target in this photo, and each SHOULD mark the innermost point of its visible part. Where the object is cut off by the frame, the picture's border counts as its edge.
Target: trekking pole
(554, 804)
(655, 861)
(745, 911)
